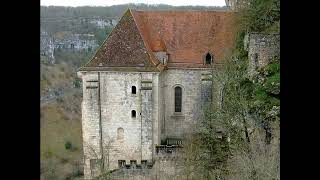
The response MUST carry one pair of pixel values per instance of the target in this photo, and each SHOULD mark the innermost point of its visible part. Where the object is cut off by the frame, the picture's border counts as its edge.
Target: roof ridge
(105, 40)
(182, 10)
(157, 64)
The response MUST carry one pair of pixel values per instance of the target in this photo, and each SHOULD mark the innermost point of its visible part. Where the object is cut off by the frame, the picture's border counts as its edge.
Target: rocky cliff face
(76, 42)
(62, 39)
(102, 23)
(72, 42)
(47, 46)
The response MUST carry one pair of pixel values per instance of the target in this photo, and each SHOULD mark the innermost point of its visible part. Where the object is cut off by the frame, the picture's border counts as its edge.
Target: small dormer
(162, 56)
(208, 58)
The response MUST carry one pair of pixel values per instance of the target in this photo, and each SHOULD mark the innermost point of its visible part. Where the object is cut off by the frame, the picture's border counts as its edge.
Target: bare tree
(102, 165)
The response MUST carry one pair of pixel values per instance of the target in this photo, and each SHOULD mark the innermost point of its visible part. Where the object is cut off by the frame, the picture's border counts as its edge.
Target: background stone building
(46, 45)
(76, 42)
(262, 49)
(147, 84)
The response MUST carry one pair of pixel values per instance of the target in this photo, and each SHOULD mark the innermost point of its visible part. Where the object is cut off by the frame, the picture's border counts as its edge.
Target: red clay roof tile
(185, 35)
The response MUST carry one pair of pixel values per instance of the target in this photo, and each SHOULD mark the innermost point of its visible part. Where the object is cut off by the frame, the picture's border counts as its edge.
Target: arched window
(120, 133)
(133, 113)
(209, 58)
(177, 99)
(133, 90)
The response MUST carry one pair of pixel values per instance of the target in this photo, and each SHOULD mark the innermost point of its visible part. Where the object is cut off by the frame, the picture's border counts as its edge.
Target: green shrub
(77, 82)
(248, 87)
(261, 15)
(48, 154)
(77, 173)
(275, 28)
(271, 69)
(272, 84)
(68, 145)
(260, 93)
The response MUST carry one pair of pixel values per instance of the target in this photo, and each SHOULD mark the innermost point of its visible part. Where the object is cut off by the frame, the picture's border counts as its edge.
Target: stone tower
(231, 4)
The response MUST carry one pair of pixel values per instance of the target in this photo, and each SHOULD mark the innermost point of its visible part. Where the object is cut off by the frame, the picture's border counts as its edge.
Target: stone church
(147, 84)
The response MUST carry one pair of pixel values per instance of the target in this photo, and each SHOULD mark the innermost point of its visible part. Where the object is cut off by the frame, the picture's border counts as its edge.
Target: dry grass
(56, 129)
(55, 76)
(264, 160)
(60, 120)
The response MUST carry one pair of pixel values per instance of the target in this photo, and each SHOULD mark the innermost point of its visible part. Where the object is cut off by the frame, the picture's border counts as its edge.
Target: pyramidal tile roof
(186, 36)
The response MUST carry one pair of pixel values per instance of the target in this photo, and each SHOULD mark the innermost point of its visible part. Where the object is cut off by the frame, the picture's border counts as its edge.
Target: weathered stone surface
(262, 48)
(76, 42)
(71, 42)
(155, 117)
(117, 102)
(47, 46)
(173, 124)
(162, 56)
(90, 122)
(146, 117)
(102, 23)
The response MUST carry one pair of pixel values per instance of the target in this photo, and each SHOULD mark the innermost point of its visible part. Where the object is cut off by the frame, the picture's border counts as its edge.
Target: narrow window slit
(177, 99)
(133, 113)
(133, 90)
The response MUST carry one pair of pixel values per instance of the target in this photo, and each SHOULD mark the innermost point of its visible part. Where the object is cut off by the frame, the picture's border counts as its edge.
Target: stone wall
(236, 5)
(262, 48)
(194, 90)
(231, 4)
(90, 121)
(107, 115)
(168, 168)
(146, 116)
(163, 169)
(117, 104)
(206, 89)
(117, 101)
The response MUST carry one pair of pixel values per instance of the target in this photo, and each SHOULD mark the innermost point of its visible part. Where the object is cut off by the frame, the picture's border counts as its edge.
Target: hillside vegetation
(249, 117)
(60, 133)
(76, 19)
